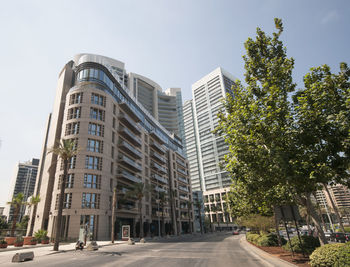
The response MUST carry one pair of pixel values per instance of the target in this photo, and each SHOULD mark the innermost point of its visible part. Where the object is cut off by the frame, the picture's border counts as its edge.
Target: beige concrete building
(119, 143)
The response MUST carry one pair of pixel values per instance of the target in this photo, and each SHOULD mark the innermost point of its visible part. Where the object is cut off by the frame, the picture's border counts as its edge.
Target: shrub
(3, 241)
(252, 237)
(309, 244)
(325, 256)
(40, 234)
(19, 239)
(343, 256)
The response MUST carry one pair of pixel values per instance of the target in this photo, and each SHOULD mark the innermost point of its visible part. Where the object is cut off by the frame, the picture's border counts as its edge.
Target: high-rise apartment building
(204, 149)
(23, 181)
(166, 107)
(120, 142)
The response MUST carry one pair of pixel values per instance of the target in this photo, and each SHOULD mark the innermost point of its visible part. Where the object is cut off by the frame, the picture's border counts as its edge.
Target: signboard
(287, 213)
(125, 232)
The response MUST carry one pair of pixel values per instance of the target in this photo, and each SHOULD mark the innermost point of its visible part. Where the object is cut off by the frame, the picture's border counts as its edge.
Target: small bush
(252, 237)
(309, 244)
(343, 258)
(325, 256)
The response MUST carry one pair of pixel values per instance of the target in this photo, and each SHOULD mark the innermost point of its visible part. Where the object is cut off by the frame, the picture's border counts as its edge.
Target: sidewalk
(267, 258)
(42, 250)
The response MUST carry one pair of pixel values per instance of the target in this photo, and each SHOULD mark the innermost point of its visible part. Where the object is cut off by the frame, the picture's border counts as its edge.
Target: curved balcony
(160, 189)
(182, 179)
(158, 157)
(183, 188)
(130, 135)
(158, 147)
(158, 167)
(130, 163)
(130, 122)
(181, 163)
(159, 178)
(130, 149)
(127, 175)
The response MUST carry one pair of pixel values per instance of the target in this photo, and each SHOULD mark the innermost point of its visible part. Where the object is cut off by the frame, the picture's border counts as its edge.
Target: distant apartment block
(114, 118)
(204, 149)
(23, 181)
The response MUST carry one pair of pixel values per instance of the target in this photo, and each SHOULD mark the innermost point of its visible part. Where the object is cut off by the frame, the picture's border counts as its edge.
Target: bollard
(23, 256)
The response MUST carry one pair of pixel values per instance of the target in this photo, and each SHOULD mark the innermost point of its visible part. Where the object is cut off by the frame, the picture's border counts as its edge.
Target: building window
(97, 114)
(93, 163)
(111, 184)
(74, 113)
(95, 145)
(76, 98)
(92, 181)
(69, 181)
(114, 109)
(113, 125)
(98, 100)
(146, 138)
(67, 202)
(113, 137)
(71, 163)
(90, 201)
(72, 128)
(112, 167)
(96, 129)
(112, 152)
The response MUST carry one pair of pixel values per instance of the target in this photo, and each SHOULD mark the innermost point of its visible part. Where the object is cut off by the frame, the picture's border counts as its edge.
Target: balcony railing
(158, 157)
(182, 171)
(182, 179)
(130, 149)
(155, 135)
(183, 188)
(181, 163)
(159, 178)
(136, 166)
(159, 147)
(130, 135)
(160, 189)
(158, 167)
(129, 176)
(183, 197)
(131, 123)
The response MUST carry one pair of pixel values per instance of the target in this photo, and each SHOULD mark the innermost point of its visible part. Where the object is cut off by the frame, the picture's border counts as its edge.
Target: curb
(266, 257)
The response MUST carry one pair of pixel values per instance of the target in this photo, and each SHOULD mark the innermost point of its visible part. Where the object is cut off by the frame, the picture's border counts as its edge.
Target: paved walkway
(42, 250)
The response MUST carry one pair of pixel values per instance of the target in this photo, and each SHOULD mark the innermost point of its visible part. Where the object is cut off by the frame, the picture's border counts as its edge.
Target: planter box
(45, 241)
(10, 240)
(3, 245)
(18, 244)
(27, 240)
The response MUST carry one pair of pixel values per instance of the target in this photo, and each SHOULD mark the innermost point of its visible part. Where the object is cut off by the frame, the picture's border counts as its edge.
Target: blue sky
(174, 43)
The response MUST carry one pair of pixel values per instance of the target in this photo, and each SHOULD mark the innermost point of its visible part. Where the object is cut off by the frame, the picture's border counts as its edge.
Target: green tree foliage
(3, 223)
(65, 149)
(17, 202)
(257, 223)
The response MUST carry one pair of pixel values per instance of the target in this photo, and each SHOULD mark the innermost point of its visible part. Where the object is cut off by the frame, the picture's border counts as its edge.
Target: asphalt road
(207, 250)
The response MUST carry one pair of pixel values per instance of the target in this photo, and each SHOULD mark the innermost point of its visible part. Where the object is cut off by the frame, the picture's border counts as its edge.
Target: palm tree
(162, 198)
(34, 200)
(207, 210)
(17, 203)
(189, 207)
(199, 207)
(65, 149)
(138, 191)
(114, 206)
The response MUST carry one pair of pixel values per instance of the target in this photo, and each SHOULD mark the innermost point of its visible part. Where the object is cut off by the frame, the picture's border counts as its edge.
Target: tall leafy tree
(323, 121)
(34, 201)
(163, 199)
(258, 125)
(65, 149)
(139, 191)
(198, 205)
(17, 202)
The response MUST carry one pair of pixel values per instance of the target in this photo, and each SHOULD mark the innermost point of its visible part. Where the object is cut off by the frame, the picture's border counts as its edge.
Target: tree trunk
(141, 224)
(114, 206)
(316, 219)
(14, 222)
(200, 218)
(31, 229)
(60, 206)
(334, 208)
(217, 217)
(189, 218)
(277, 230)
(163, 224)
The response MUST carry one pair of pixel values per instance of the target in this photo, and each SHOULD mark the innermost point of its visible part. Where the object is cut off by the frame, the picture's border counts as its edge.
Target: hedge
(343, 256)
(309, 244)
(326, 256)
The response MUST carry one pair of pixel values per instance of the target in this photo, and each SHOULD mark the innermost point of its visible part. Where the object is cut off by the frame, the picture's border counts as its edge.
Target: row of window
(95, 113)
(96, 99)
(90, 181)
(89, 201)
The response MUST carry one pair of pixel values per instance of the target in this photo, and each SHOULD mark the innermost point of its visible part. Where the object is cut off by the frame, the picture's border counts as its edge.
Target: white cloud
(330, 16)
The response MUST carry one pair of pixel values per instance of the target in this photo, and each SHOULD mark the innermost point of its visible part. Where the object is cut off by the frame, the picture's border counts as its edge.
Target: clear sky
(174, 43)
